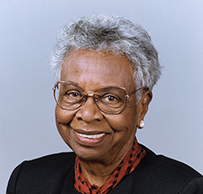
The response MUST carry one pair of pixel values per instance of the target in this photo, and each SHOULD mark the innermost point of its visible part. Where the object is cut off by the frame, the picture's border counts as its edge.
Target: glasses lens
(111, 100)
(68, 96)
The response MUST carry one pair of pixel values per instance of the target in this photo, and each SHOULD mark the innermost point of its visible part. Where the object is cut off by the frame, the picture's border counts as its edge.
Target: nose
(89, 111)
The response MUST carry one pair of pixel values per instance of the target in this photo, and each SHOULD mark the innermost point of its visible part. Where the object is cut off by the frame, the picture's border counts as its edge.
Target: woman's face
(92, 134)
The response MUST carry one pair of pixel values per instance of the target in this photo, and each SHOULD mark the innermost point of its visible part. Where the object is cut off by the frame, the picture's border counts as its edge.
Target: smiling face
(92, 134)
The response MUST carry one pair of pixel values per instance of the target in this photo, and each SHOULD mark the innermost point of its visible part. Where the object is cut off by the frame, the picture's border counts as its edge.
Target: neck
(99, 171)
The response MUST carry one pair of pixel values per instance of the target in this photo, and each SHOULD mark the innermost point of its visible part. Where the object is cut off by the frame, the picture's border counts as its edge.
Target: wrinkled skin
(92, 70)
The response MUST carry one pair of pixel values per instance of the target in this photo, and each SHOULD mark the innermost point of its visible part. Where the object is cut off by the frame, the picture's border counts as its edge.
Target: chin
(88, 154)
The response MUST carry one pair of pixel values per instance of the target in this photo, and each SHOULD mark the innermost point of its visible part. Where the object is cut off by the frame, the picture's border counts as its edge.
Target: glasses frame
(86, 95)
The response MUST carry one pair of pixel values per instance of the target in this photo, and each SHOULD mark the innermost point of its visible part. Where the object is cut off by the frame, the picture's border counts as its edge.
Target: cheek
(62, 119)
(63, 116)
(124, 122)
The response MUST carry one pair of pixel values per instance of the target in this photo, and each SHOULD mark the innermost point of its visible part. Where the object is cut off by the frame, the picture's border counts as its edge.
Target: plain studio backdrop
(27, 33)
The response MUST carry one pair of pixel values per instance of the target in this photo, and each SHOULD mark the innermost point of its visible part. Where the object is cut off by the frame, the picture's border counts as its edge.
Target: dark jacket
(156, 174)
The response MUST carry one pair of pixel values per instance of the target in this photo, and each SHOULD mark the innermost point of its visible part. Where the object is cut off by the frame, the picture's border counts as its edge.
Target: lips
(89, 137)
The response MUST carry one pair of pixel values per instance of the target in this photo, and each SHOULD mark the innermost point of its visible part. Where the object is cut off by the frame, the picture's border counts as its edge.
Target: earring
(141, 124)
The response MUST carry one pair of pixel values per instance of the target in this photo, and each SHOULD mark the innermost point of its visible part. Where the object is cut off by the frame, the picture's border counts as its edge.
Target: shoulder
(49, 164)
(41, 172)
(169, 175)
(57, 160)
(164, 165)
(159, 174)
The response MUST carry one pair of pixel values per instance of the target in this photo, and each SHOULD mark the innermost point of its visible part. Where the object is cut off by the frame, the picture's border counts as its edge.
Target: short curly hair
(110, 33)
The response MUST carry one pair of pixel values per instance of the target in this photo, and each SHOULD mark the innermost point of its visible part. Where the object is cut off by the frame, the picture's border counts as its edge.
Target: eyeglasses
(110, 100)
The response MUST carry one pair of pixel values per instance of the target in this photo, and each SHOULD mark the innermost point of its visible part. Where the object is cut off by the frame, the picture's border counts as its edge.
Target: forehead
(97, 68)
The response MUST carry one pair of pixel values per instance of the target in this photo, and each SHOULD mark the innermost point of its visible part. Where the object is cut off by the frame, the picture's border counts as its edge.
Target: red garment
(128, 164)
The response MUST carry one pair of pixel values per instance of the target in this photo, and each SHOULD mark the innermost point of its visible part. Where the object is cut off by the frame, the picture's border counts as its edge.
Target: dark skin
(91, 70)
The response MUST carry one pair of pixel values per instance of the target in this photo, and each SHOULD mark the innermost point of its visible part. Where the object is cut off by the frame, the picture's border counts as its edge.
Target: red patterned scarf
(128, 164)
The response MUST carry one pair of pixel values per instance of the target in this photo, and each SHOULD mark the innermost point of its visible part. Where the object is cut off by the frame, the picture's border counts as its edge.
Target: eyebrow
(108, 86)
(72, 82)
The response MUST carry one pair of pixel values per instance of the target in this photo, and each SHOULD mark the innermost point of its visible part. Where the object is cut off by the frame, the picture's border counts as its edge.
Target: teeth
(91, 136)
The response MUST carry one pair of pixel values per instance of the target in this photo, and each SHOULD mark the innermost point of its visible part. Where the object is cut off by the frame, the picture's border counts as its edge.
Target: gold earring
(141, 124)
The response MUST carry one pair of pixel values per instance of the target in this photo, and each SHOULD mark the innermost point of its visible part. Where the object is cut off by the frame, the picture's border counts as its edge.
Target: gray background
(27, 34)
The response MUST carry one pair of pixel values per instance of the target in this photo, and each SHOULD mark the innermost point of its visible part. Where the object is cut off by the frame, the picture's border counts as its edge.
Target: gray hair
(110, 33)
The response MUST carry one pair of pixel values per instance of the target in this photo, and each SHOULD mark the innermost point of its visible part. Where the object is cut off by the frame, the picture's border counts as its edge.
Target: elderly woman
(106, 67)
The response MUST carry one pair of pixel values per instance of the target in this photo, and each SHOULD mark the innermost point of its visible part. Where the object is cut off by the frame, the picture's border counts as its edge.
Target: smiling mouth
(96, 136)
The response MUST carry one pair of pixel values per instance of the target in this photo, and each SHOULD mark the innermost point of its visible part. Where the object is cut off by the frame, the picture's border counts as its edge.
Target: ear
(142, 106)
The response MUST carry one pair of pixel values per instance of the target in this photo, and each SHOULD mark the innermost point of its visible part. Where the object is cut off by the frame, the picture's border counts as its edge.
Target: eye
(73, 95)
(110, 99)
